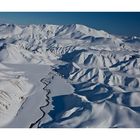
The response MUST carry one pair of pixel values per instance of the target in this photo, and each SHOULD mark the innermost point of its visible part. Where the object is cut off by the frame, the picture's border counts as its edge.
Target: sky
(118, 23)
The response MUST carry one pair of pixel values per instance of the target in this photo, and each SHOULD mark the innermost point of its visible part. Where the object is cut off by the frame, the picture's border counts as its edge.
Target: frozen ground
(68, 76)
(29, 111)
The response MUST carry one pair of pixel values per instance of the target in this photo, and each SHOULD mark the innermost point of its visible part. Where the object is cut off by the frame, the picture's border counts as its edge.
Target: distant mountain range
(95, 77)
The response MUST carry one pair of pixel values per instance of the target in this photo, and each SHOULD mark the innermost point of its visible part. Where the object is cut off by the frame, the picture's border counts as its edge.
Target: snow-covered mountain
(68, 76)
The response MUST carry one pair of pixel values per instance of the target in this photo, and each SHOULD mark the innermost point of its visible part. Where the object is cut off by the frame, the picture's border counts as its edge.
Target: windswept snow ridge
(96, 82)
(14, 89)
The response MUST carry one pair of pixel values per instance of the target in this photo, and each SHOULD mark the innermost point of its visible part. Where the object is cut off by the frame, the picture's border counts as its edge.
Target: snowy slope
(68, 76)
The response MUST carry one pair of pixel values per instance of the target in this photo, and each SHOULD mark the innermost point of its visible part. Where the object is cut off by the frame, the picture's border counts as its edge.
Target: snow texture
(68, 76)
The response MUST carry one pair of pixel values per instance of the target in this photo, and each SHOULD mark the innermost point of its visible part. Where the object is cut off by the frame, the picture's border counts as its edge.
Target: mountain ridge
(102, 72)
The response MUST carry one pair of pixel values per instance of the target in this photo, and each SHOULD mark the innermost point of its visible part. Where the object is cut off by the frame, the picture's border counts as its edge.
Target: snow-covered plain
(68, 76)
